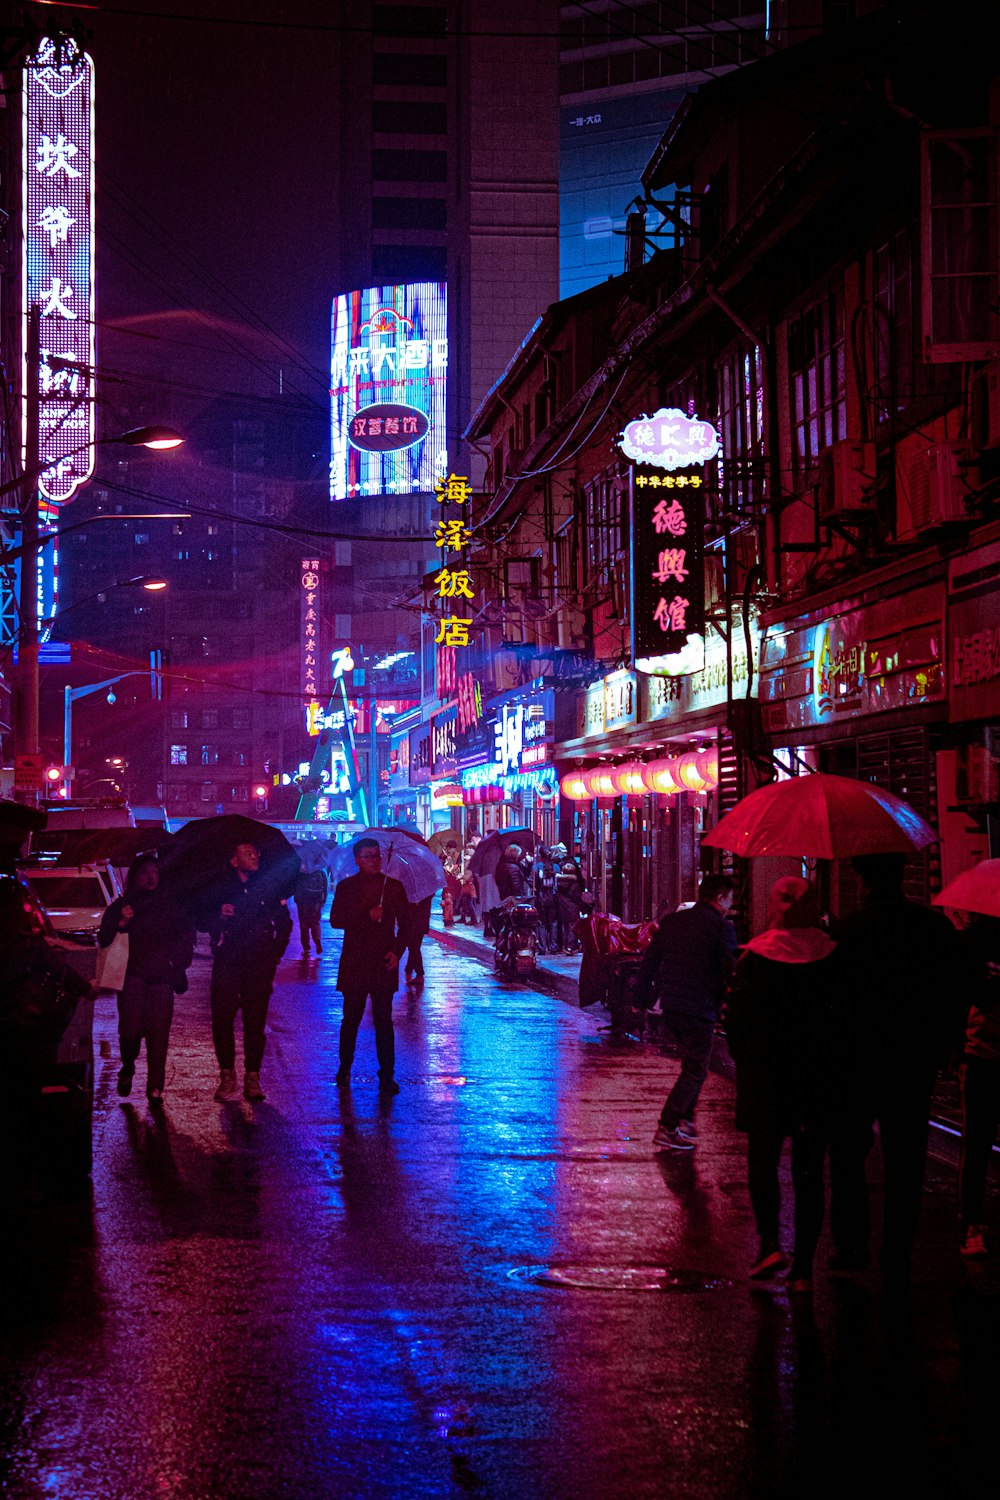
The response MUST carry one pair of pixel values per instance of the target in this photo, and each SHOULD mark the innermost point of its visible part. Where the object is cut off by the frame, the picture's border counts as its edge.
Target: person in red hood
(779, 1025)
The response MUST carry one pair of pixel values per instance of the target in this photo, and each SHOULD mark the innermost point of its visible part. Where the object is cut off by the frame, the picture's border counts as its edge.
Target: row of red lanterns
(696, 771)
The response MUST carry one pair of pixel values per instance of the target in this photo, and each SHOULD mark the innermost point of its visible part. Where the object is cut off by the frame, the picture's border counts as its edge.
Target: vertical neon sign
(57, 271)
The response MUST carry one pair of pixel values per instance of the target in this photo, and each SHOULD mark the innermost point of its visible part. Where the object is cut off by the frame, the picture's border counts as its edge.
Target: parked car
(73, 897)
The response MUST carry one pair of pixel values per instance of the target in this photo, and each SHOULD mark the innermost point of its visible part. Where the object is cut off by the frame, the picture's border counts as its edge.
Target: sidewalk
(557, 973)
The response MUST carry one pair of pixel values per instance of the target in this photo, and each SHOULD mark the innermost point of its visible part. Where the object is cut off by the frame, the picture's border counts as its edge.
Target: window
(409, 213)
(178, 755)
(410, 68)
(237, 757)
(603, 503)
(410, 166)
(241, 718)
(394, 118)
(142, 538)
(178, 718)
(960, 265)
(209, 791)
(210, 755)
(741, 425)
(210, 718)
(401, 263)
(816, 381)
(238, 794)
(410, 20)
(893, 351)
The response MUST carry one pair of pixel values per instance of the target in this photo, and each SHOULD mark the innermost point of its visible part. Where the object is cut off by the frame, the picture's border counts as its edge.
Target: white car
(73, 897)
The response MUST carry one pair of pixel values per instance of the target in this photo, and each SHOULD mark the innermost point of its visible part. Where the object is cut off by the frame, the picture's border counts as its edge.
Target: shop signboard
(444, 729)
(621, 700)
(974, 635)
(523, 728)
(399, 760)
(860, 660)
(667, 561)
(671, 696)
(420, 755)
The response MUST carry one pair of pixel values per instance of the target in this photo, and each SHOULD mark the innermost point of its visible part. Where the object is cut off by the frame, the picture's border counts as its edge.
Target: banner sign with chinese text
(388, 384)
(58, 257)
(667, 569)
(312, 681)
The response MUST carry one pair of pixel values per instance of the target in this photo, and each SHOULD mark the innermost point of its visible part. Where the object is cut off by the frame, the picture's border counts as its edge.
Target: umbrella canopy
(490, 851)
(203, 848)
(976, 890)
(439, 841)
(314, 854)
(821, 817)
(405, 859)
(409, 833)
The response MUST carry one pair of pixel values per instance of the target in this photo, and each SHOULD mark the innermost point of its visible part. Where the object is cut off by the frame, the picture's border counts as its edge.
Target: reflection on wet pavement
(488, 1285)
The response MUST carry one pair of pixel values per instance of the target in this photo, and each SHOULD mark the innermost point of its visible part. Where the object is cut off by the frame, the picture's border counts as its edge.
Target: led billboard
(388, 384)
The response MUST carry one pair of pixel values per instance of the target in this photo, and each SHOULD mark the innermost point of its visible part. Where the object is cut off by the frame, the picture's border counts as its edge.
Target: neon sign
(669, 439)
(58, 257)
(388, 384)
(309, 620)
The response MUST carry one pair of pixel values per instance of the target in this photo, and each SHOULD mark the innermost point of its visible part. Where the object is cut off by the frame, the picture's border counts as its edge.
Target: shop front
(418, 754)
(858, 687)
(506, 768)
(971, 798)
(640, 779)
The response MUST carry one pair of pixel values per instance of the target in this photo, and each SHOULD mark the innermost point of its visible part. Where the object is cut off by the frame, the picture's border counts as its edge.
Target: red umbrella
(821, 817)
(977, 890)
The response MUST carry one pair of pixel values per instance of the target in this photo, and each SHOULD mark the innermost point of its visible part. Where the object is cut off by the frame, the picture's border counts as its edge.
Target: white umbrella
(404, 859)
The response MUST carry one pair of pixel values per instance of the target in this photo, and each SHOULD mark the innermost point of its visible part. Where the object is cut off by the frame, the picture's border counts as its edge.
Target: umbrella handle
(385, 877)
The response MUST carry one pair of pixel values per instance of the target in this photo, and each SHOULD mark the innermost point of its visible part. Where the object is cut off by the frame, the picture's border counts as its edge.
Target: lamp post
(71, 694)
(157, 438)
(148, 581)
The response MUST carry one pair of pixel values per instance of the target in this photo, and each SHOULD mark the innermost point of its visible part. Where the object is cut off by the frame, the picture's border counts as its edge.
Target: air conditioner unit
(938, 490)
(846, 479)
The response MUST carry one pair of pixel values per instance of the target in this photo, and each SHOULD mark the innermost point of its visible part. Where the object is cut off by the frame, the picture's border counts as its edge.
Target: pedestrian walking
(372, 910)
(779, 1028)
(980, 1077)
(569, 896)
(416, 926)
(249, 925)
(311, 887)
(899, 1020)
(687, 967)
(510, 874)
(160, 948)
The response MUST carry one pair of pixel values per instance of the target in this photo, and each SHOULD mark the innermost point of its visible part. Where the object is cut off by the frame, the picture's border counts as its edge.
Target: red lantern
(600, 782)
(574, 787)
(660, 776)
(629, 780)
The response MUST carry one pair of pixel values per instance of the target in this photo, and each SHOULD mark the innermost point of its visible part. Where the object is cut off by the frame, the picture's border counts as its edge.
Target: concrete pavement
(488, 1286)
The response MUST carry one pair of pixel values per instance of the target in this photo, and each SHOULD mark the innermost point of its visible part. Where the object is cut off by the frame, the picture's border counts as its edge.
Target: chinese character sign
(668, 584)
(312, 683)
(58, 256)
(388, 380)
(669, 440)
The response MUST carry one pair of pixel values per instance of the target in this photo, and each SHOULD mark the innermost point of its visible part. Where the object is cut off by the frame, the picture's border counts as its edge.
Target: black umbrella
(203, 848)
(491, 850)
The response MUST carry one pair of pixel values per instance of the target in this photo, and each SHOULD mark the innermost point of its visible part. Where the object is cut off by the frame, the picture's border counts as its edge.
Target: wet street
(487, 1286)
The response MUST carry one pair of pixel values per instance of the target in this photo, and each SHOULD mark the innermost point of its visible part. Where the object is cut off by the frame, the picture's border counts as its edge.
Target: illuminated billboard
(388, 385)
(58, 257)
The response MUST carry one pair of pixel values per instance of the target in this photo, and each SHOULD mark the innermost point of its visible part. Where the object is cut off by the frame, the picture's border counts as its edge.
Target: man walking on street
(373, 911)
(310, 895)
(687, 967)
(249, 926)
(899, 1017)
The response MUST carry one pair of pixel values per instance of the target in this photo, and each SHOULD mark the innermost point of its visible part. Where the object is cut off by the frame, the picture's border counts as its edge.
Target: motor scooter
(516, 943)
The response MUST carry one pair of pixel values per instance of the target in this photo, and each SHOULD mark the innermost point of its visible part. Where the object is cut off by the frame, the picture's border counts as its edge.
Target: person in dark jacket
(510, 874)
(311, 887)
(249, 926)
(372, 910)
(569, 896)
(779, 1029)
(160, 948)
(417, 924)
(545, 898)
(687, 967)
(980, 1075)
(900, 1019)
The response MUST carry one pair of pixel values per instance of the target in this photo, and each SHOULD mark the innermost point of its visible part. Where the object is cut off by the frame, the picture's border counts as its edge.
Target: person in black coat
(160, 947)
(417, 925)
(779, 1027)
(373, 911)
(900, 1017)
(687, 967)
(249, 925)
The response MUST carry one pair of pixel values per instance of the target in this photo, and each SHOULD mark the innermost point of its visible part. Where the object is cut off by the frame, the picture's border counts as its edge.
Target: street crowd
(836, 1030)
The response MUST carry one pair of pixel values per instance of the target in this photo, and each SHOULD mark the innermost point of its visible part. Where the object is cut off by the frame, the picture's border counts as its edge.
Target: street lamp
(71, 694)
(148, 581)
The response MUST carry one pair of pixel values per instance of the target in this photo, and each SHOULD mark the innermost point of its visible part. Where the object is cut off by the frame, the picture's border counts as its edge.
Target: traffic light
(55, 781)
